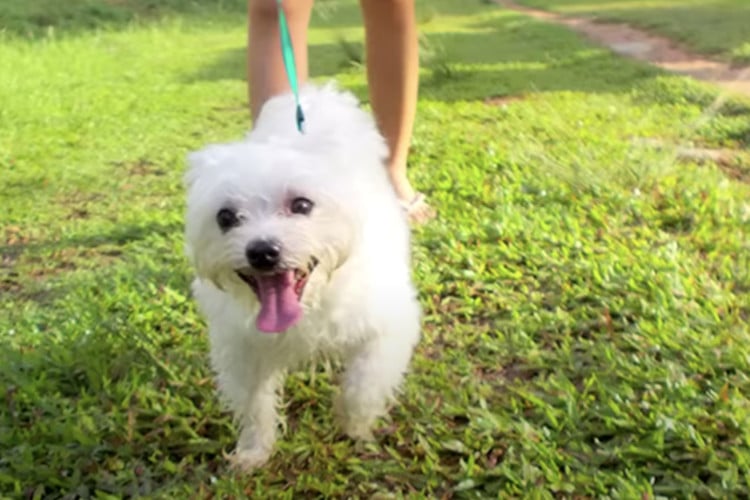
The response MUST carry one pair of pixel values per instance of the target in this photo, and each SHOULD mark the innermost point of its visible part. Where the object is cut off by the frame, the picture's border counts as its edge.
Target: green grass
(717, 27)
(586, 297)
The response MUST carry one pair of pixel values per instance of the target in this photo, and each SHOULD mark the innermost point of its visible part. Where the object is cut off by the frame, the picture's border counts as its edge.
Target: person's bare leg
(393, 79)
(265, 66)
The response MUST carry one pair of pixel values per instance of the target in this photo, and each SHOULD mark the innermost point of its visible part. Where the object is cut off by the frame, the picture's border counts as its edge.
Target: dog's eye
(227, 218)
(301, 206)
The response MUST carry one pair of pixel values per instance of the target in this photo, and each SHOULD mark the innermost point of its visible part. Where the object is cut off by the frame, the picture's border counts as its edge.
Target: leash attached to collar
(287, 53)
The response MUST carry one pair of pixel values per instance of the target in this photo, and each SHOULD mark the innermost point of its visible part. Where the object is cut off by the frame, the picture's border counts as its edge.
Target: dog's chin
(279, 294)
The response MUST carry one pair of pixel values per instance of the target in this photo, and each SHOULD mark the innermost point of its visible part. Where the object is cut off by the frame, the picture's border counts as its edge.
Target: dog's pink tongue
(279, 307)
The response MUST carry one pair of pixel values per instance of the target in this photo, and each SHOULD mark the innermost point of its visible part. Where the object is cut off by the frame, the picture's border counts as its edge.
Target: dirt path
(643, 46)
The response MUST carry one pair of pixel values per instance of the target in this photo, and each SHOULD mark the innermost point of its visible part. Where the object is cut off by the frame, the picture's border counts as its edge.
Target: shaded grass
(586, 297)
(716, 26)
(44, 18)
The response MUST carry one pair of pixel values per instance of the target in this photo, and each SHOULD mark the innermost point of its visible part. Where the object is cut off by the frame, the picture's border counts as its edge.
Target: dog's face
(267, 225)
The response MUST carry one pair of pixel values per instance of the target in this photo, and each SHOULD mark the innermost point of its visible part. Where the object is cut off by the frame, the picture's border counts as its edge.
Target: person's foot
(418, 210)
(414, 203)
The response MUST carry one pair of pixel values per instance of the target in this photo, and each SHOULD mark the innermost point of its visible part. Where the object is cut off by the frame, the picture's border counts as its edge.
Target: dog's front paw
(357, 427)
(248, 459)
(359, 431)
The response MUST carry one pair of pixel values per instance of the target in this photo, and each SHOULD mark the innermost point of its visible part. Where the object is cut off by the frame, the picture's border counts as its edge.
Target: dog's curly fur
(358, 302)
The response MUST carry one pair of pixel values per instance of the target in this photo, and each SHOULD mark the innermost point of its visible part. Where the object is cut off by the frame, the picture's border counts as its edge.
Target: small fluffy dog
(301, 248)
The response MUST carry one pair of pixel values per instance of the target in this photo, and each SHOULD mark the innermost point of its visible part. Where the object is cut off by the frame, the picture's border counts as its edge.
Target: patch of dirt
(736, 173)
(503, 100)
(11, 246)
(15, 277)
(643, 46)
(79, 213)
(52, 268)
(732, 162)
(77, 203)
(723, 157)
(727, 160)
(10, 284)
(140, 167)
(15, 236)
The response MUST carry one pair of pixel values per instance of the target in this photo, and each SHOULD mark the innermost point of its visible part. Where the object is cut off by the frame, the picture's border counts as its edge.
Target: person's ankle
(402, 186)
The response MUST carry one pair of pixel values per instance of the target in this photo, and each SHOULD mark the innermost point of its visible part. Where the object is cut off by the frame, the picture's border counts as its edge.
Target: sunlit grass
(586, 294)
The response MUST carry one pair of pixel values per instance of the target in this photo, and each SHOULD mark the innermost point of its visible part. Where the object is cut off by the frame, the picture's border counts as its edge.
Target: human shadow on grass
(496, 54)
(61, 256)
(329, 14)
(327, 61)
(91, 366)
(118, 235)
(38, 19)
(456, 72)
(109, 388)
(451, 82)
(115, 371)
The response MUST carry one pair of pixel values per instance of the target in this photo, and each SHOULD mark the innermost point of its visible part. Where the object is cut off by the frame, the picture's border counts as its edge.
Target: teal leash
(287, 53)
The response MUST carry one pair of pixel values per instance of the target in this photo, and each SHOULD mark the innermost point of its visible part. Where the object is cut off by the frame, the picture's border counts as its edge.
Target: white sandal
(418, 210)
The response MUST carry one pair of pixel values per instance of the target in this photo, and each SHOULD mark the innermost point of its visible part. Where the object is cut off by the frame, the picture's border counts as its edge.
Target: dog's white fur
(359, 303)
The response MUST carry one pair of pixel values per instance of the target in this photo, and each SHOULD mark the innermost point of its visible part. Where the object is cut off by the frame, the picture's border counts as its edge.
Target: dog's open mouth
(279, 294)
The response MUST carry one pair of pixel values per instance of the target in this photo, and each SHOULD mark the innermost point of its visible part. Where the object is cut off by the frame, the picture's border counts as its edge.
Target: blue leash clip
(287, 53)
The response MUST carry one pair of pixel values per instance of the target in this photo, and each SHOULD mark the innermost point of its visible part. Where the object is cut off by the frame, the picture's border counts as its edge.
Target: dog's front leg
(373, 373)
(257, 416)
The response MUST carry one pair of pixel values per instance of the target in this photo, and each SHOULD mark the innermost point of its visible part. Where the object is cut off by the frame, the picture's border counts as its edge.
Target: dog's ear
(200, 161)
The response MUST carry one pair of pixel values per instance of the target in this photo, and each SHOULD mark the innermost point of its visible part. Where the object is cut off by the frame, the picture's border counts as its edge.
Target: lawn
(718, 27)
(586, 289)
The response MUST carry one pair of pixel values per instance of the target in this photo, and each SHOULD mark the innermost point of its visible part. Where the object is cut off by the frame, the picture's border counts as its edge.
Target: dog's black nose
(263, 255)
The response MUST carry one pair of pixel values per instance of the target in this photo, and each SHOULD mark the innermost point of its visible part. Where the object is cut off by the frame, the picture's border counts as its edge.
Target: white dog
(301, 248)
